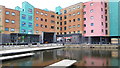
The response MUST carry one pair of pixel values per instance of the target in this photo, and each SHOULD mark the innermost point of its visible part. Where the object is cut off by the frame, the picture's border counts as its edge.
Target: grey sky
(49, 4)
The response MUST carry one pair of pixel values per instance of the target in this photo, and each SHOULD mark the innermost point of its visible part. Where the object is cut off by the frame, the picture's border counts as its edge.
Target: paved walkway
(12, 47)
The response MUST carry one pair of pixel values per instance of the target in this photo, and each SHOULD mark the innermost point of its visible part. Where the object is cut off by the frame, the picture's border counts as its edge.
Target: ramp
(62, 64)
(16, 56)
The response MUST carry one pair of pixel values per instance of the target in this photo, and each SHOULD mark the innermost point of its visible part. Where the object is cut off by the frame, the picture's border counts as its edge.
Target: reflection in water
(83, 56)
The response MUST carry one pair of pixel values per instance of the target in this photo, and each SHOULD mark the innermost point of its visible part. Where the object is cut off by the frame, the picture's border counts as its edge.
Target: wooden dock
(62, 64)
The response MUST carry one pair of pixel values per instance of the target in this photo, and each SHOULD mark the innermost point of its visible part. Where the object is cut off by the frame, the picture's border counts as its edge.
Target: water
(84, 57)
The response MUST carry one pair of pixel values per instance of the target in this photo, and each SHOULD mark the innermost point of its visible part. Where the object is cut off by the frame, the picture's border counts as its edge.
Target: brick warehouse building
(80, 23)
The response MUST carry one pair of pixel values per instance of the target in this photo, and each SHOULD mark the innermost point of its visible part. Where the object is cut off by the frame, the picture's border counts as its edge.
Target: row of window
(37, 25)
(11, 29)
(92, 31)
(24, 31)
(24, 17)
(24, 24)
(65, 22)
(7, 13)
(12, 21)
(73, 32)
(65, 11)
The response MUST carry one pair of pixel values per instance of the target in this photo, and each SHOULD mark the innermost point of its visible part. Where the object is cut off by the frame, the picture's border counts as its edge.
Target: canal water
(84, 57)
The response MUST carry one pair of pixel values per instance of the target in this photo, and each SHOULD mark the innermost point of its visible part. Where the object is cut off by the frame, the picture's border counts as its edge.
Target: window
(23, 16)
(41, 19)
(58, 28)
(45, 26)
(52, 27)
(61, 28)
(13, 21)
(105, 18)
(91, 4)
(7, 21)
(41, 13)
(37, 18)
(102, 23)
(84, 13)
(91, 10)
(78, 6)
(74, 14)
(92, 24)
(106, 25)
(84, 32)
(78, 31)
(78, 13)
(60, 18)
(84, 19)
(78, 19)
(23, 30)
(57, 17)
(65, 22)
(74, 26)
(52, 16)
(102, 16)
(29, 31)
(65, 17)
(52, 21)
(65, 28)
(12, 29)
(69, 20)
(74, 8)
(29, 17)
(73, 31)
(64, 32)
(41, 25)
(70, 27)
(84, 6)
(92, 31)
(7, 12)
(73, 20)
(60, 23)
(106, 31)
(37, 12)
(13, 13)
(57, 22)
(45, 20)
(37, 25)
(30, 24)
(101, 9)
(23, 23)
(102, 30)
(65, 11)
(46, 14)
(78, 25)
(29, 10)
(91, 17)
(37, 31)
(84, 25)
(6, 29)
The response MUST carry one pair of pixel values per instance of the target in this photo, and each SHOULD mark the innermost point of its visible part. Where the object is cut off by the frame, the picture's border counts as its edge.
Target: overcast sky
(49, 4)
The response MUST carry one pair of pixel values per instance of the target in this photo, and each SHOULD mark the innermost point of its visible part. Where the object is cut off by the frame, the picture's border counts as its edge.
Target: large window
(12, 29)
(23, 30)
(37, 25)
(23, 23)
(52, 27)
(13, 21)
(37, 18)
(29, 31)
(29, 17)
(6, 29)
(13, 13)
(7, 21)
(52, 21)
(7, 12)
(30, 24)
(92, 24)
(52, 16)
(65, 11)
(23, 16)
(78, 19)
(29, 10)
